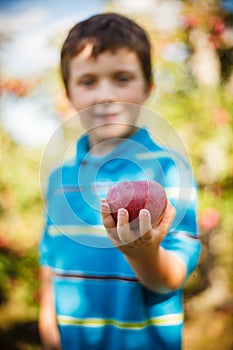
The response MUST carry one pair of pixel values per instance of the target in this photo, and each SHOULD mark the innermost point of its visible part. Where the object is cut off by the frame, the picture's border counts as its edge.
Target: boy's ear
(149, 89)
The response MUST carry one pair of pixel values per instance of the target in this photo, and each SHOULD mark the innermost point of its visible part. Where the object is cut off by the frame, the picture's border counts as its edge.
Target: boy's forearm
(48, 328)
(161, 272)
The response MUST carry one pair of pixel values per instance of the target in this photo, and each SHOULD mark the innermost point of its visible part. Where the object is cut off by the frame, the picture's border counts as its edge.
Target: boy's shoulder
(62, 175)
(152, 147)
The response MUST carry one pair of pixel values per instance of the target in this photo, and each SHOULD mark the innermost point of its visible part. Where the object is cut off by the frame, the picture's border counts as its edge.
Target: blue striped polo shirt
(99, 301)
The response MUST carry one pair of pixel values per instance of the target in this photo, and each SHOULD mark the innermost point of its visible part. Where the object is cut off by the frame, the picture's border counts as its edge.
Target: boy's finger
(145, 225)
(167, 220)
(123, 227)
(169, 216)
(106, 215)
(109, 223)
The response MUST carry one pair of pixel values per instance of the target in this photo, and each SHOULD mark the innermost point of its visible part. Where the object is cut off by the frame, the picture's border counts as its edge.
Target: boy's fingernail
(121, 212)
(144, 212)
(104, 207)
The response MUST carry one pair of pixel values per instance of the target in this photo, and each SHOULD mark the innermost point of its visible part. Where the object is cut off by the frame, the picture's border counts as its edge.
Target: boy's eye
(123, 78)
(87, 82)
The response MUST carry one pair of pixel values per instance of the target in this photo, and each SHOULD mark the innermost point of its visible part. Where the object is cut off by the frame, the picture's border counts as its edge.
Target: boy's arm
(48, 328)
(157, 268)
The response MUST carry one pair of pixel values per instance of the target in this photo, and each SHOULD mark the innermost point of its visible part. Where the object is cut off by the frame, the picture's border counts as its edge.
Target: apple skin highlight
(136, 195)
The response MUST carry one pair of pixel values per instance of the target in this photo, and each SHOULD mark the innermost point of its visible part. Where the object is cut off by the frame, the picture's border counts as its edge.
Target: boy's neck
(102, 148)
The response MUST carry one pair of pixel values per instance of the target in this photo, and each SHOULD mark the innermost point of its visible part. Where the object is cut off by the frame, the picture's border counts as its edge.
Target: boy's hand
(146, 239)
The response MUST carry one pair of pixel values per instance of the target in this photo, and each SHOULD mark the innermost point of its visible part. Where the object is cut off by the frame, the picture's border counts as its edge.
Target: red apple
(137, 195)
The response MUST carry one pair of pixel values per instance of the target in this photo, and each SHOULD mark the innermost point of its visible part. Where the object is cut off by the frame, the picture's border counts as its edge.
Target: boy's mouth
(108, 116)
(108, 110)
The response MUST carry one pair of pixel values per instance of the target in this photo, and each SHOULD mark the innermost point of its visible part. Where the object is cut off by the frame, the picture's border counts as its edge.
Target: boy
(103, 286)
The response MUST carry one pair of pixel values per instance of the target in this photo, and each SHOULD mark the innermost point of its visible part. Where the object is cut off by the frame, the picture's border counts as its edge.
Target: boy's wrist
(145, 253)
(161, 271)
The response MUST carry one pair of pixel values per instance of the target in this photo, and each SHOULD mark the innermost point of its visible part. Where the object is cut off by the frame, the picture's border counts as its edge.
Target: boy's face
(113, 84)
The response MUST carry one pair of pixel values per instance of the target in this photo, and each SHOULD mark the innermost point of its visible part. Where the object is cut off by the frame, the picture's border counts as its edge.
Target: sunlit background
(193, 72)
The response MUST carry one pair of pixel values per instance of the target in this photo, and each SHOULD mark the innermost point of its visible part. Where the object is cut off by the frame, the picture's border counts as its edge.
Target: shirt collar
(141, 136)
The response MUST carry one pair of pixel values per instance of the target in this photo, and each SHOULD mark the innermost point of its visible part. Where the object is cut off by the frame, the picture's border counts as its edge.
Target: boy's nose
(106, 92)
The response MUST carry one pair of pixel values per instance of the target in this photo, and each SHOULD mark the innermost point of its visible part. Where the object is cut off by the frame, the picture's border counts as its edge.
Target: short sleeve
(46, 241)
(182, 192)
(45, 249)
(184, 247)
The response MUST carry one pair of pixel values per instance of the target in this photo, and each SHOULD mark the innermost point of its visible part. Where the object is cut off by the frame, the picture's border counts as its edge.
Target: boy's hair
(108, 31)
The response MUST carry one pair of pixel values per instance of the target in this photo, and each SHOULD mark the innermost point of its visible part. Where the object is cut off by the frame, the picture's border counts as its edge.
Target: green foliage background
(203, 116)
